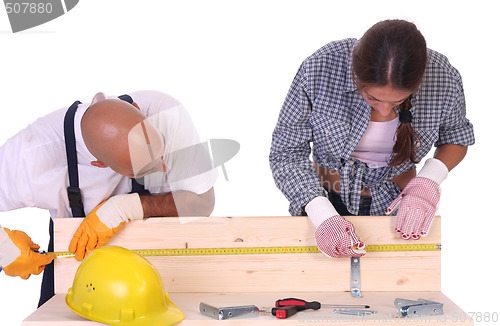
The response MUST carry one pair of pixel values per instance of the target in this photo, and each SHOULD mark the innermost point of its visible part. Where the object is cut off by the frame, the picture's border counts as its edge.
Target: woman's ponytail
(406, 138)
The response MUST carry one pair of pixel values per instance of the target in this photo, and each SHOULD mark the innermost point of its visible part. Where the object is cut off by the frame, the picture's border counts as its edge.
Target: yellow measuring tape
(264, 250)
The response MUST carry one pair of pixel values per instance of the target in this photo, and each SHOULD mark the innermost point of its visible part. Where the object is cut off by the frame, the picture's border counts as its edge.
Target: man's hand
(418, 201)
(28, 262)
(100, 225)
(336, 236)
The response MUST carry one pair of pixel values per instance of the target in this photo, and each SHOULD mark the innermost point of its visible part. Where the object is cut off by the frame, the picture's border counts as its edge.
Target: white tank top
(375, 147)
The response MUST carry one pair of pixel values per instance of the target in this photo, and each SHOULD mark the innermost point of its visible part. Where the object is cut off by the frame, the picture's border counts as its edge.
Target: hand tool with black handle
(314, 305)
(282, 312)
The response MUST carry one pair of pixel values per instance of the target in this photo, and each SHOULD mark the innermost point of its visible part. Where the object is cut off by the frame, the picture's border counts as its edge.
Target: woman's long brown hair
(393, 53)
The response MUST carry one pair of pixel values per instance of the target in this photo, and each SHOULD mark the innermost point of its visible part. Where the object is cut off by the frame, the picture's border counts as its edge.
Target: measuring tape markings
(265, 250)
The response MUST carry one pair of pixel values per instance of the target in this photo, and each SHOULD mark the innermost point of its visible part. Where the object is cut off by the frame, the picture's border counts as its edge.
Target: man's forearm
(179, 203)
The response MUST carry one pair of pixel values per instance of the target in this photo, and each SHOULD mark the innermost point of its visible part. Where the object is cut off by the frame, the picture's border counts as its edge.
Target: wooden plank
(220, 232)
(55, 312)
(285, 272)
(382, 271)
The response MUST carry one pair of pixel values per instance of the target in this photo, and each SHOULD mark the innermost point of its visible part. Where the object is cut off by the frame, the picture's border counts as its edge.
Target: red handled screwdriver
(282, 312)
(314, 305)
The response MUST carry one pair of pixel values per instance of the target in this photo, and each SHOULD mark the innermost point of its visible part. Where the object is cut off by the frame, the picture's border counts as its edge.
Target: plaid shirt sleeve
(455, 128)
(439, 107)
(293, 171)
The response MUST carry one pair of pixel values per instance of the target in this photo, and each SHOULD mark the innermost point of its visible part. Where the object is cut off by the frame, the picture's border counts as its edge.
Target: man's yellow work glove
(27, 261)
(100, 225)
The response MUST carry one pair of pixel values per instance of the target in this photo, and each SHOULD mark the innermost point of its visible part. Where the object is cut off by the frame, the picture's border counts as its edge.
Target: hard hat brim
(169, 316)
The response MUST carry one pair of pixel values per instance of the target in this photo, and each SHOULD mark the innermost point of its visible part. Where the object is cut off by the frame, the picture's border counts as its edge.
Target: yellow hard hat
(116, 286)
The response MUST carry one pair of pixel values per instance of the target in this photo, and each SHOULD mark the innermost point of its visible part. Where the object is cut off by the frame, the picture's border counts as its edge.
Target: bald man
(115, 141)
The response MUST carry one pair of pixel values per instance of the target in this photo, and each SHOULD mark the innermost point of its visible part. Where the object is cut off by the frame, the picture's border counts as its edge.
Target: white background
(231, 64)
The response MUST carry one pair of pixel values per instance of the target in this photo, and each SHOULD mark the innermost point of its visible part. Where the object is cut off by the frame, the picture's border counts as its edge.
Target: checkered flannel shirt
(323, 107)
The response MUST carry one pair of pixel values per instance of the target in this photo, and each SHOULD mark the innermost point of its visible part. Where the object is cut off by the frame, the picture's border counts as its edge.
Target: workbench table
(261, 279)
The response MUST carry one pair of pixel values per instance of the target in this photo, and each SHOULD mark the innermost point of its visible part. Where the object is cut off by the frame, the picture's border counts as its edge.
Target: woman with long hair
(372, 108)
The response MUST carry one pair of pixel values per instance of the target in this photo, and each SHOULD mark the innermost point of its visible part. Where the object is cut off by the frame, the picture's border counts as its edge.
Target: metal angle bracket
(421, 307)
(222, 313)
(355, 277)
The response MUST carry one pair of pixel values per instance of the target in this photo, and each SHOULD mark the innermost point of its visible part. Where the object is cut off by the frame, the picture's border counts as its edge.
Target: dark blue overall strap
(126, 98)
(138, 187)
(74, 193)
(137, 184)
